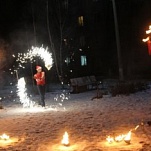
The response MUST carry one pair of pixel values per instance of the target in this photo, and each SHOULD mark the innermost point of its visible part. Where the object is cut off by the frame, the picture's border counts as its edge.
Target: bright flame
(65, 140)
(110, 139)
(128, 136)
(148, 31)
(119, 138)
(125, 137)
(24, 99)
(145, 40)
(4, 137)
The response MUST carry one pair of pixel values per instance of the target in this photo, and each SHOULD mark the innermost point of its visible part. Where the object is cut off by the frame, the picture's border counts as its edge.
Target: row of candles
(65, 139)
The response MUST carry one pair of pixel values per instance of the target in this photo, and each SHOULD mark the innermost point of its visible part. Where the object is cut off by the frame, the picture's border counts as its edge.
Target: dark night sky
(134, 16)
(11, 15)
(15, 13)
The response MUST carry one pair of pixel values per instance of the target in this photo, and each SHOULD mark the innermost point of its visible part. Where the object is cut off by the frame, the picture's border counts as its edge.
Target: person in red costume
(40, 80)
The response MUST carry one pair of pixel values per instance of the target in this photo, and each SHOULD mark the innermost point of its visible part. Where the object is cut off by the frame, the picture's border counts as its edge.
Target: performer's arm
(43, 75)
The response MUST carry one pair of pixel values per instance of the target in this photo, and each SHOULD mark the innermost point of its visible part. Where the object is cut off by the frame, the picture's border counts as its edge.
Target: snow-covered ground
(87, 122)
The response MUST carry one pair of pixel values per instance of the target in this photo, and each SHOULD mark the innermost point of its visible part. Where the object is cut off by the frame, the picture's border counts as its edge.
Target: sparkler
(60, 98)
(41, 52)
(24, 99)
(23, 58)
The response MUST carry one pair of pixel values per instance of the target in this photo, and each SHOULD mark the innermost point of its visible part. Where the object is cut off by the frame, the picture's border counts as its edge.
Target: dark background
(23, 23)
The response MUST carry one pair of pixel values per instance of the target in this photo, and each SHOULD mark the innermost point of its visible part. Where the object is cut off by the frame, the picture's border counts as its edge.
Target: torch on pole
(121, 76)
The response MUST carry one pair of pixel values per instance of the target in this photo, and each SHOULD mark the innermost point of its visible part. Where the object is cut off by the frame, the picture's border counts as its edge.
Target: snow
(88, 122)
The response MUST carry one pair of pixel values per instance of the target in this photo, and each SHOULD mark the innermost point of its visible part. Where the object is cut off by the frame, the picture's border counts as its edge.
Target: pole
(16, 75)
(121, 76)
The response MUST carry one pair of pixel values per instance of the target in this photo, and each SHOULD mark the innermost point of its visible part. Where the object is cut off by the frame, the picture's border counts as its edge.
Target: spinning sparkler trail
(41, 52)
(24, 99)
(23, 58)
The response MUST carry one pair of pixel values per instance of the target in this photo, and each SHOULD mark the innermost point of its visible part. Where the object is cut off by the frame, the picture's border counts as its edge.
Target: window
(83, 61)
(80, 20)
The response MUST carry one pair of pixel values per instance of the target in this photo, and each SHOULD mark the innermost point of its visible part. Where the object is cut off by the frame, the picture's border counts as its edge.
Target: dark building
(89, 47)
(93, 49)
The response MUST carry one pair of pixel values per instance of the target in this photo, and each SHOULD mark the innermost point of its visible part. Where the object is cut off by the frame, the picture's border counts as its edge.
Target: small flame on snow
(119, 138)
(110, 139)
(127, 137)
(4, 137)
(65, 140)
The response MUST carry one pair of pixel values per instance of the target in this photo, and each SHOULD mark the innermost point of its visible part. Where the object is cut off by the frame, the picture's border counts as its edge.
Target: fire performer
(40, 80)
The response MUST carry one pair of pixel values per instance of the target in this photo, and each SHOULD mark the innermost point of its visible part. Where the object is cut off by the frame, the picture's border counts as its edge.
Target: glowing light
(136, 127)
(127, 138)
(148, 31)
(123, 137)
(32, 53)
(24, 99)
(110, 139)
(5, 141)
(119, 138)
(146, 39)
(44, 55)
(4, 137)
(65, 140)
